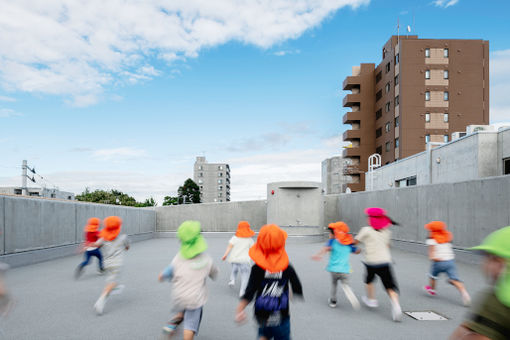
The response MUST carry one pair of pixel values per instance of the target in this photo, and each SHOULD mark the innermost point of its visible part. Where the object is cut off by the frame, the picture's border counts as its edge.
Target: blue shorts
(447, 267)
(279, 332)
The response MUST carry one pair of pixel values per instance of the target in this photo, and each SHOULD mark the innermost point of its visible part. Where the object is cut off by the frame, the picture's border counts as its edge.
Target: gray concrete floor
(52, 305)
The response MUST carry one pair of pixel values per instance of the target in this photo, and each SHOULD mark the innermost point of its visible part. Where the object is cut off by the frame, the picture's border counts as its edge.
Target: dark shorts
(279, 332)
(384, 272)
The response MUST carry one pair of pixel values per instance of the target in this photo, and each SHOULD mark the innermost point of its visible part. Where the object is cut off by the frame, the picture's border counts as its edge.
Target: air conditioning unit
(476, 128)
(457, 135)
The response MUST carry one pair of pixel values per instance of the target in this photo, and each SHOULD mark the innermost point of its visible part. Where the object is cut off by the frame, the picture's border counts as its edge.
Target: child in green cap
(490, 319)
(188, 273)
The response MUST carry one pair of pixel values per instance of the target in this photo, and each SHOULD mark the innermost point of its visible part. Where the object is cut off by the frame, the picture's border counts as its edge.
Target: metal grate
(427, 316)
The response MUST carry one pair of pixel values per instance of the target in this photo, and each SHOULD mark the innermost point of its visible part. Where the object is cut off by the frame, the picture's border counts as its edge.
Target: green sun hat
(192, 242)
(497, 243)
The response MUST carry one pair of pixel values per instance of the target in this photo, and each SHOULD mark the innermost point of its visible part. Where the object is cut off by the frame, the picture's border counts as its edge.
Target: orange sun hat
(244, 230)
(341, 230)
(92, 225)
(269, 250)
(438, 232)
(112, 227)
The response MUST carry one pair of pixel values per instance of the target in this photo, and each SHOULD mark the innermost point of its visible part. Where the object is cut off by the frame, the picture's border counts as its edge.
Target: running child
(269, 285)
(113, 245)
(237, 255)
(91, 232)
(489, 318)
(377, 259)
(340, 246)
(443, 259)
(188, 272)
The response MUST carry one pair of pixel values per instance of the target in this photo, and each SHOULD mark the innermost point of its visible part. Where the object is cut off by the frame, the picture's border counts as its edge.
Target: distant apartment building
(213, 180)
(333, 175)
(38, 192)
(422, 91)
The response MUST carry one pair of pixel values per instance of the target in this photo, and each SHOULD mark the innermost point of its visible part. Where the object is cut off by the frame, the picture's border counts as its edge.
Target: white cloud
(8, 113)
(445, 3)
(286, 52)
(118, 154)
(500, 86)
(7, 99)
(77, 48)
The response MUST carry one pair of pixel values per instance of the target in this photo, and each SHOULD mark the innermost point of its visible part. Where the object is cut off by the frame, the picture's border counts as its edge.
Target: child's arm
(166, 274)
(229, 248)
(127, 244)
(256, 277)
(213, 273)
(320, 254)
(432, 253)
(295, 284)
(354, 249)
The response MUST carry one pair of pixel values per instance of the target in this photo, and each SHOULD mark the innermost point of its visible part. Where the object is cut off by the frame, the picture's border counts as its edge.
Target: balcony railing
(351, 135)
(351, 152)
(351, 170)
(352, 99)
(351, 117)
(350, 82)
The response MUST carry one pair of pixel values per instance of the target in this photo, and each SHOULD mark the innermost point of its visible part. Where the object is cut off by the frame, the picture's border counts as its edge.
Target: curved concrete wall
(216, 217)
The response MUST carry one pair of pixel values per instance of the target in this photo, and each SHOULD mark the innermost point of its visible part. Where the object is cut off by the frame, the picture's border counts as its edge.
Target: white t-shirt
(239, 251)
(376, 250)
(442, 251)
(113, 250)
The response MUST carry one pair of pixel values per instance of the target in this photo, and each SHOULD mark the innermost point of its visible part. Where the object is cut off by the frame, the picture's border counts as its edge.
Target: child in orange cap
(113, 244)
(443, 259)
(91, 232)
(237, 255)
(269, 285)
(340, 246)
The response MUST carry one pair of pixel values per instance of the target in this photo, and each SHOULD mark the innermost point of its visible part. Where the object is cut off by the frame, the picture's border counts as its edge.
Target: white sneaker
(396, 311)
(231, 283)
(466, 299)
(372, 303)
(117, 290)
(99, 305)
(332, 303)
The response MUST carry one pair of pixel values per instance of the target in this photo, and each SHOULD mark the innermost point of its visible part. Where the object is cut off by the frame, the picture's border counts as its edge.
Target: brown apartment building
(422, 91)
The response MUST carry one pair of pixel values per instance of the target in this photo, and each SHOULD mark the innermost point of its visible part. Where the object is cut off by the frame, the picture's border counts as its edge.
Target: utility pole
(24, 177)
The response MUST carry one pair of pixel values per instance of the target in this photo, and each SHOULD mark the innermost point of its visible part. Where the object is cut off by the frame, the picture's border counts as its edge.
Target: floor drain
(426, 316)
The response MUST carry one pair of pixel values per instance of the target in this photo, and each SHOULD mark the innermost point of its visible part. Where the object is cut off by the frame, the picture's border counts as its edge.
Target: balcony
(352, 99)
(356, 186)
(350, 82)
(351, 117)
(351, 135)
(350, 170)
(351, 152)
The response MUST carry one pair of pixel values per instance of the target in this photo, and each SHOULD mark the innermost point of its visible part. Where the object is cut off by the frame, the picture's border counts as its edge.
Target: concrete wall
(215, 217)
(471, 209)
(28, 224)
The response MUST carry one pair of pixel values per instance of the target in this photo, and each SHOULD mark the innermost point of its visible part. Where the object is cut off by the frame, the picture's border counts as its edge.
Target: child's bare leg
(393, 295)
(432, 283)
(370, 291)
(188, 334)
(466, 299)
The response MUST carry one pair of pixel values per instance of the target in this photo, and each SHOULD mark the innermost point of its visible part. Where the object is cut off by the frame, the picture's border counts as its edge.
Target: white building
(38, 192)
(334, 176)
(213, 179)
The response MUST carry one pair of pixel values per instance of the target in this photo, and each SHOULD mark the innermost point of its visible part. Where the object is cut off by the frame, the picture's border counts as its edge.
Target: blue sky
(121, 96)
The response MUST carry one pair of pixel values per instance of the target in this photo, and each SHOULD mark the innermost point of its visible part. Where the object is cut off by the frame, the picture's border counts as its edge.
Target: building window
(397, 100)
(378, 95)
(387, 88)
(200, 174)
(427, 95)
(388, 106)
(378, 133)
(446, 53)
(427, 53)
(378, 114)
(445, 138)
(378, 150)
(384, 53)
(445, 96)
(397, 122)
(445, 117)
(506, 166)
(396, 80)
(220, 181)
(220, 188)
(411, 181)
(201, 187)
(200, 167)
(387, 127)
(378, 77)
(220, 167)
(200, 181)
(397, 58)
(388, 67)
(427, 139)
(445, 74)
(397, 143)
(388, 147)
(220, 174)
(220, 194)
(427, 74)
(427, 117)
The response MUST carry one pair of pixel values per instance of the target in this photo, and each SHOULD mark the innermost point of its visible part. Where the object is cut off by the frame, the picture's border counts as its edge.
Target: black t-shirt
(271, 292)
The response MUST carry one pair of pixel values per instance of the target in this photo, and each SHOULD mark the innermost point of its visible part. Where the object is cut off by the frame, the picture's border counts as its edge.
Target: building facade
(332, 175)
(213, 180)
(38, 192)
(422, 91)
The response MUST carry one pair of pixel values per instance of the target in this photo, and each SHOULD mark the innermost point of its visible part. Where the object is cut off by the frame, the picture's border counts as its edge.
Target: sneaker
(396, 311)
(371, 303)
(466, 299)
(430, 291)
(231, 283)
(170, 329)
(117, 290)
(332, 303)
(99, 305)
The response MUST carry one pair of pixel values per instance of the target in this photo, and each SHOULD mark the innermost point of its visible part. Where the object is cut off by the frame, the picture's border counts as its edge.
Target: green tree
(189, 192)
(171, 200)
(113, 196)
